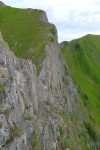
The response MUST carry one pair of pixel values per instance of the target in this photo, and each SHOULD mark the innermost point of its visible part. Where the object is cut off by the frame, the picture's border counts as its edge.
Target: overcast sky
(73, 18)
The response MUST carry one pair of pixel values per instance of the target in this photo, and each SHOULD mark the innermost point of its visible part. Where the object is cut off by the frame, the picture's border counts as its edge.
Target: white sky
(73, 18)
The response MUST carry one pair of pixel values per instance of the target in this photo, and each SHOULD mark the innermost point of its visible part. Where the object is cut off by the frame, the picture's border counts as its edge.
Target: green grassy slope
(83, 58)
(25, 32)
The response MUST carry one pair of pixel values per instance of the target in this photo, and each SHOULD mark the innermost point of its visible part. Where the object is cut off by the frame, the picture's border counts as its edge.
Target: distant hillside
(83, 59)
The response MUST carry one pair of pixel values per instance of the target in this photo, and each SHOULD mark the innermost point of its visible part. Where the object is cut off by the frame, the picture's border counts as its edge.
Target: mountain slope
(83, 58)
(26, 30)
(42, 104)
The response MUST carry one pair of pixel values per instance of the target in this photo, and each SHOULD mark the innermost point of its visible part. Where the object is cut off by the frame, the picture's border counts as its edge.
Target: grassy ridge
(25, 32)
(83, 58)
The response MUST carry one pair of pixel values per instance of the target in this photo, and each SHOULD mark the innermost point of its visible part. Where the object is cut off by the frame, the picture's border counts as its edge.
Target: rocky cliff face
(2, 4)
(24, 97)
(41, 112)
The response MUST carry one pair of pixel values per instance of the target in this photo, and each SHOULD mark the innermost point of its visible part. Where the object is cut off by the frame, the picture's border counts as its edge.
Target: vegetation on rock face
(90, 131)
(63, 138)
(83, 58)
(36, 142)
(53, 30)
(6, 112)
(51, 38)
(14, 132)
(61, 130)
(1, 125)
(1, 89)
(28, 118)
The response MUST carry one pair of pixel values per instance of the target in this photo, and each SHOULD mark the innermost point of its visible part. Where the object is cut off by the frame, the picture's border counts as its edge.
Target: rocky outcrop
(2, 4)
(18, 94)
(41, 112)
(25, 99)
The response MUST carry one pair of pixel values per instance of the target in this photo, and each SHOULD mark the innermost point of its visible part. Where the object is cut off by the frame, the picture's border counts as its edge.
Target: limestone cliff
(44, 111)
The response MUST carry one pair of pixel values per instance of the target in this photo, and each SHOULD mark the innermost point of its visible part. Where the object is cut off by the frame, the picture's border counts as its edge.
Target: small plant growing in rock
(63, 116)
(90, 130)
(26, 103)
(14, 132)
(63, 138)
(28, 118)
(11, 78)
(5, 112)
(1, 89)
(65, 143)
(2, 73)
(1, 125)
(61, 130)
(51, 38)
(53, 30)
(65, 99)
(36, 142)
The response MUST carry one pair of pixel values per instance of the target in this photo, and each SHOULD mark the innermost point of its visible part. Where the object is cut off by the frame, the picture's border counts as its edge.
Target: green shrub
(53, 30)
(1, 125)
(61, 130)
(1, 89)
(65, 143)
(51, 38)
(28, 118)
(63, 139)
(90, 130)
(65, 98)
(63, 116)
(5, 112)
(14, 132)
(77, 46)
(84, 96)
(36, 142)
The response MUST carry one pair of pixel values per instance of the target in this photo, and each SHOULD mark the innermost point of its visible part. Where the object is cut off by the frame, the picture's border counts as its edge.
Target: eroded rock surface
(37, 112)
